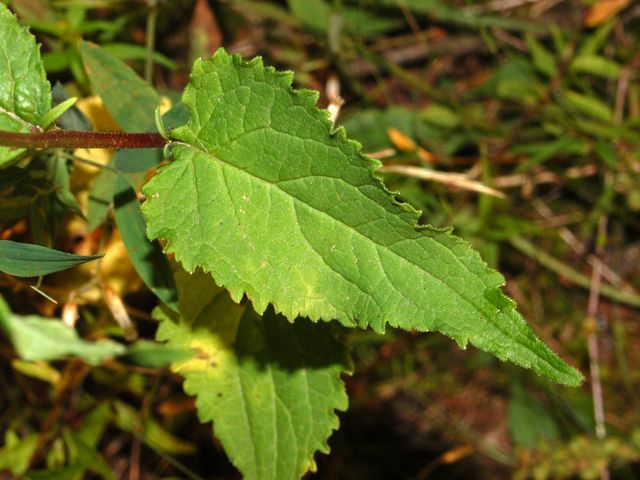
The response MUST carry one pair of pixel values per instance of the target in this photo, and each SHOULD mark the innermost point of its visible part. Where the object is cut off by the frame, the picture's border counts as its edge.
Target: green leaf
(276, 204)
(25, 93)
(57, 111)
(37, 338)
(589, 105)
(28, 260)
(120, 88)
(146, 256)
(596, 65)
(269, 387)
(543, 60)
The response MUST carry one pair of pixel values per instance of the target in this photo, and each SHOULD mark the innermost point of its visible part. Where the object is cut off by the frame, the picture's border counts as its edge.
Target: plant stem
(76, 139)
(152, 18)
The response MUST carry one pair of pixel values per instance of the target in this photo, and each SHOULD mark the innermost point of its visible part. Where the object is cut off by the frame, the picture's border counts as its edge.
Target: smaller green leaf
(147, 257)
(543, 60)
(29, 260)
(37, 338)
(57, 111)
(120, 88)
(596, 65)
(589, 106)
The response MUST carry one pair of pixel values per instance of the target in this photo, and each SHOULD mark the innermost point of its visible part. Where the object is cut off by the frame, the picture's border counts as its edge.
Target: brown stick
(74, 139)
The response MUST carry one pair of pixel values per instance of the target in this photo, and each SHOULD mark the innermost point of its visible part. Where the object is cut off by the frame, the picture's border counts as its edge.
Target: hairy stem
(74, 139)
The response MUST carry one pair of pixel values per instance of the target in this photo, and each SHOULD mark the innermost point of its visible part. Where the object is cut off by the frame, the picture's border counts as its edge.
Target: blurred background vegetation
(515, 121)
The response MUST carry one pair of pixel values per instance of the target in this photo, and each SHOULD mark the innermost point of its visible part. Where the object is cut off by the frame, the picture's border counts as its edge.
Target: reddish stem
(76, 139)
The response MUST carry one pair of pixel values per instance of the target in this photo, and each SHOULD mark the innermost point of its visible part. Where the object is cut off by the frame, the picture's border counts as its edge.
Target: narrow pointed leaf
(29, 260)
(270, 387)
(265, 195)
(25, 93)
(146, 256)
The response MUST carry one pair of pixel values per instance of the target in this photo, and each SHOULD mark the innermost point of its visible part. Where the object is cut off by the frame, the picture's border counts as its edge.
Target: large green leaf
(270, 387)
(29, 260)
(25, 94)
(265, 195)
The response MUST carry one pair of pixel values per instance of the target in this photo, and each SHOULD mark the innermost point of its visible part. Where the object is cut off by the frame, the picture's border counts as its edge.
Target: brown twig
(75, 139)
